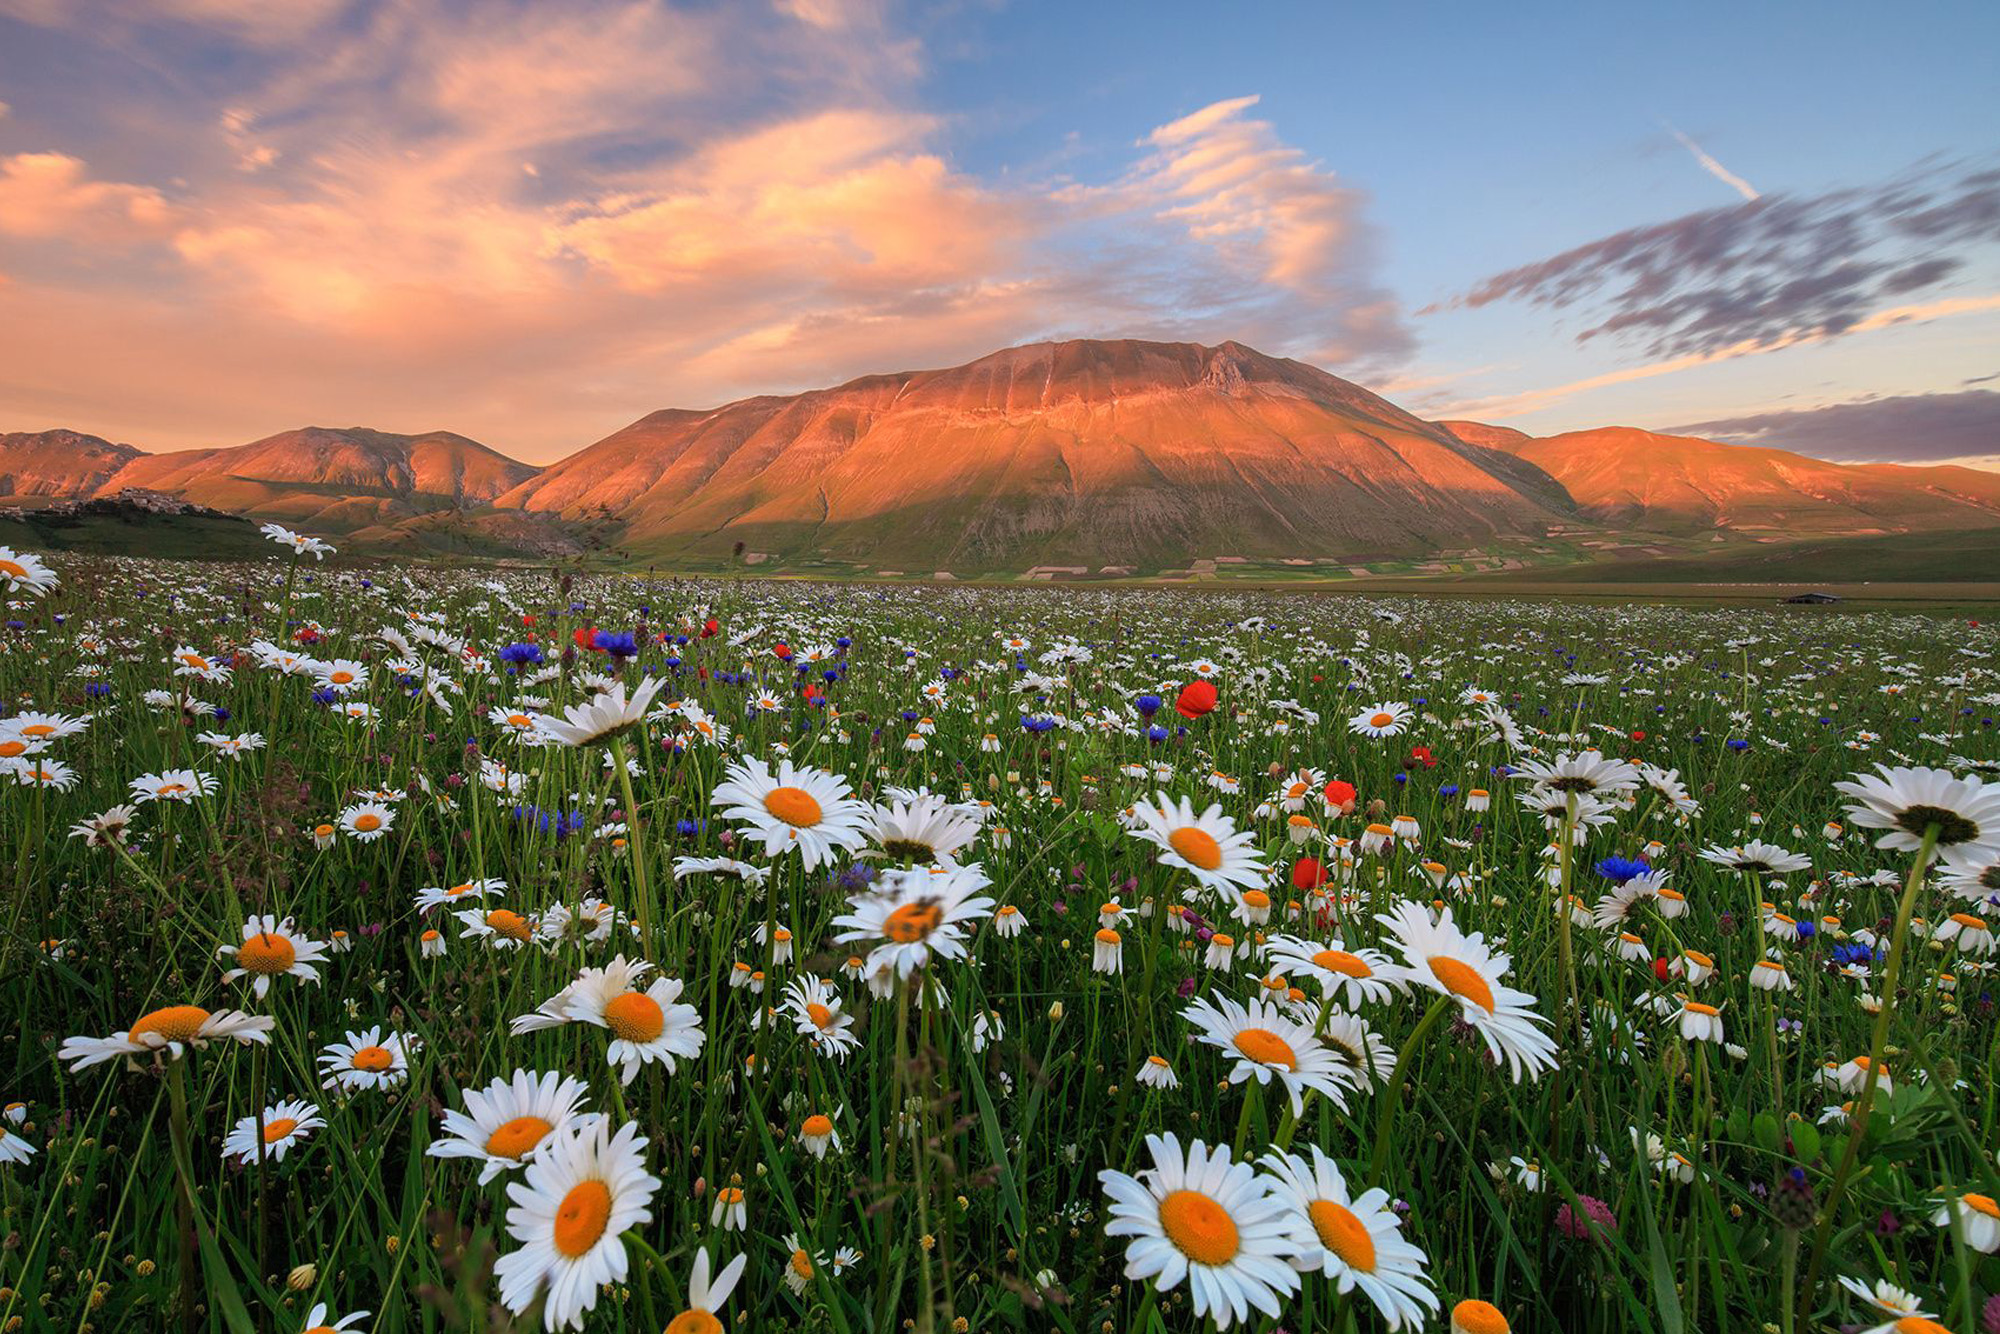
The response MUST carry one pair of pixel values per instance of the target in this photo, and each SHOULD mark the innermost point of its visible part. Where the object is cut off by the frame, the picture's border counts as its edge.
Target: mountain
(65, 465)
(1077, 453)
(336, 480)
(1079, 457)
(1630, 478)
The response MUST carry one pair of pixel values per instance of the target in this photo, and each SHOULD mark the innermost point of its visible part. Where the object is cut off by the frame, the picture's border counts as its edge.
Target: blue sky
(533, 223)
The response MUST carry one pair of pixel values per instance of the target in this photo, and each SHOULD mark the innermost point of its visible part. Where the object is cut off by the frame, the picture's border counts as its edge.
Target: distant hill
(1628, 478)
(59, 464)
(334, 480)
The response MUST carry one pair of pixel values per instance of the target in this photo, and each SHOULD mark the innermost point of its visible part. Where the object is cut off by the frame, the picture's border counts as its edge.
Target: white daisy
(584, 1189)
(1197, 1216)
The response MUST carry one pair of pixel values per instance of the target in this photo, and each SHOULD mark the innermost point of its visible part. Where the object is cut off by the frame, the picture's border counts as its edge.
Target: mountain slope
(1627, 477)
(340, 480)
(1080, 452)
(61, 464)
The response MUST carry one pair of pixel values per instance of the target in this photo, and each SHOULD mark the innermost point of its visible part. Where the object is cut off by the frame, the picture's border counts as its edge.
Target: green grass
(968, 1180)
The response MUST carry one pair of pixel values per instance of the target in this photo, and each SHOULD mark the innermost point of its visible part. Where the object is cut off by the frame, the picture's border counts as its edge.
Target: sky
(534, 221)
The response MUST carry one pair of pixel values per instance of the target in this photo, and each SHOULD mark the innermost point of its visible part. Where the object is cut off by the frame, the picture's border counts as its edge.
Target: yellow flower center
(1477, 1317)
(1340, 961)
(506, 922)
(174, 1023)
(1199, 1228)
(822, 1018)
(1381, 719)
(367, 822)
(278, 1129)
(802, 1265)
(794, 805)
(517, 1136)
(1196, 847)
(635, 1017)
(267, 953)
(1341, 1232)
(913, 922)
(373, 1060)
(1462, 981)
(1266, 1048)
(582, 1218)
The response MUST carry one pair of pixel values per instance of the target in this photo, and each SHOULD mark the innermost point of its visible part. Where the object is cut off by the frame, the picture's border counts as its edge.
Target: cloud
(1533, 400)
(535, 222)
(1767, 272)
(44, 195)
(1714, 168)
(1913, 428)
(1271, 219)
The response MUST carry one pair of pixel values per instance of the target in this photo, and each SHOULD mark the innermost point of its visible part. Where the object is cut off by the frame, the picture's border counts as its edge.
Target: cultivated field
(400, 949)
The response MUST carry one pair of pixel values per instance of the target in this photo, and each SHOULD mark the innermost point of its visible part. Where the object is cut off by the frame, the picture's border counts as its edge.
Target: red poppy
(1197, 698)
(1638, 736)
(711, 627)
(1340, 796)
(527, 620)
(1307, 873)
(1422, 755)
(1660, 969)
(585, 637)
(783, 651)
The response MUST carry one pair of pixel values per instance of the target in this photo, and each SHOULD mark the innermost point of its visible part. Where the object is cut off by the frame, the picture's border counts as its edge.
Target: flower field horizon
(400, 948)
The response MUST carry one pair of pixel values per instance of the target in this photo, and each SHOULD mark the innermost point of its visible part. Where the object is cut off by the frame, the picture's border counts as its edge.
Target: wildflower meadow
(400, 948)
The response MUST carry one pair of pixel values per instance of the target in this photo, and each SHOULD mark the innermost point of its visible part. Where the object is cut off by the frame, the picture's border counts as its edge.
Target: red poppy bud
(1197, 698)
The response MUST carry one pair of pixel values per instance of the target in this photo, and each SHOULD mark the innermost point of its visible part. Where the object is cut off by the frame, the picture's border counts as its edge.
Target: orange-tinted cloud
(535, 222)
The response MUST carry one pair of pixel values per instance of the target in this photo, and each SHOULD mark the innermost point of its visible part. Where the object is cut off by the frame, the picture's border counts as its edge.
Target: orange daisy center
(1343, 1233)
(1197, 847)
(174, 1023)
(1462, 981)
(582, 1217)
(517, 1136)
(635, 1017)
(278, 1129)
(1340, 961)
(267, 953)
(1266, 1048)
(913, 922)
(795, 806)
(373, 1060)
(1199, 1228)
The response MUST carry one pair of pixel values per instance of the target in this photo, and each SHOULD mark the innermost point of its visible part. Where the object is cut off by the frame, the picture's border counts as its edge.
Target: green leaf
(1805, 1140)
(1768, 1135)
(1739, 1125)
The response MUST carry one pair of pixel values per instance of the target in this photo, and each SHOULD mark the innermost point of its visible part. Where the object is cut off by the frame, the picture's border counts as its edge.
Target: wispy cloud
(1767, 272)
(1961, 427)
(1714, 168)
(1519, 404)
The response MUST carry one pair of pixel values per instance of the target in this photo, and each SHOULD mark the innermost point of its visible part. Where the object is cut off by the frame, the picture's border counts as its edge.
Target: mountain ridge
(1077, 454)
